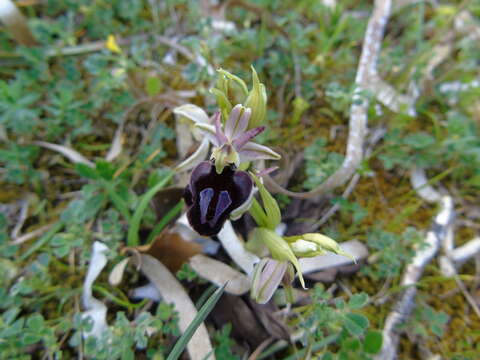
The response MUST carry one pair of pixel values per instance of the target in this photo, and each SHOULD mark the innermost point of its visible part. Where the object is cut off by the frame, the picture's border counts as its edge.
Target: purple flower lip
(212, 197)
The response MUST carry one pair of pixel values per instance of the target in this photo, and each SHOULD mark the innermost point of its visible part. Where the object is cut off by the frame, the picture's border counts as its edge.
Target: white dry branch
(419, 182)
(116, 275)
(374, 138)
(389, 97)
(148, 291)
(453, 257)
(464, 28)
(462, 253)
(33, 234)
(25, 203)
(367, 69)
(402, 309)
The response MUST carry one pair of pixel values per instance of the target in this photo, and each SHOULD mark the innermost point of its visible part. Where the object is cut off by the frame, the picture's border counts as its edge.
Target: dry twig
(374, 138)
(413, 273)
(358, 110)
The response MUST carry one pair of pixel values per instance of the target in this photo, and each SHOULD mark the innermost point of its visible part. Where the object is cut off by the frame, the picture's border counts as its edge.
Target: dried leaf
(172, 250)
(172, 291)
(236, 249)
(73, 155)
(95, 309)
(148, 291)
(219, 273)
(117, 145)
(116, 274)
(196, 158)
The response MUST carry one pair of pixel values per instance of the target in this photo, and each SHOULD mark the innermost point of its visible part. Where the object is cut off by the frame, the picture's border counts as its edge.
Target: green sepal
(257, 101)
(270, 205)
(234, 78)
(223, 102)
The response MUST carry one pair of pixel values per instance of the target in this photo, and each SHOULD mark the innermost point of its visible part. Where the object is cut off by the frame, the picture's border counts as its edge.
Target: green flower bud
(232, 82)
(267, 277)
(230, 89)
(303, 248)
(322, 242)
(223, 102)
(278, 247)
(257, 101)
(271, 213)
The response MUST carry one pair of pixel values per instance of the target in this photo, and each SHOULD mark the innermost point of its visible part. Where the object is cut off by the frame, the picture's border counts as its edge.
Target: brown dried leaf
(171, 250)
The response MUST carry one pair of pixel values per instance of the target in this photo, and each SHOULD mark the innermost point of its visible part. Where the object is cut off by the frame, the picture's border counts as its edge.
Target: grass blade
(132, 238)
(165, 220)
(202, 314)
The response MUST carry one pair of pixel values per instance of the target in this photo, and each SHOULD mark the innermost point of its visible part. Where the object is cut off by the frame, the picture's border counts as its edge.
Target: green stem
(132, 238)
(165, 220)
(119, 203)
(42, 241)
(281, 344)
(117, 300)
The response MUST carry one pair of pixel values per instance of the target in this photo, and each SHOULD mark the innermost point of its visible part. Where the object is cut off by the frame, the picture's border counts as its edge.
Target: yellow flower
(112, 45)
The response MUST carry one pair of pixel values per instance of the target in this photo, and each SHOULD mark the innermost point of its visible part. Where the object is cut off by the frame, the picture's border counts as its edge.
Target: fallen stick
(413, 273)
(367, 69)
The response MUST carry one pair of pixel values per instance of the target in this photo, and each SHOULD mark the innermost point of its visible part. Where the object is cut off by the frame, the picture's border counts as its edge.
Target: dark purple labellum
(211, 197)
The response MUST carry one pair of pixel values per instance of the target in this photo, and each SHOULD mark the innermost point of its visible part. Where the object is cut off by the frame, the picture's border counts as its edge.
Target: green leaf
(373, 342)
(42, 241)
(358, 301)
(10, 315)
(13, 329)
(351, 344)
(236, 79)
(328, 356)
(105, 169)
(339, 303)
(153, 85)
(171, 214)
(134, 226)
(30, 338)
(87, 171)
(419, 140)
(120, 204)
(35, 322)
(356, 324)
(201, 316)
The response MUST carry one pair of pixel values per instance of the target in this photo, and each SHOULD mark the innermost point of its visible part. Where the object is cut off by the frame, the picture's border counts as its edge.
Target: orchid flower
(232, 145)
(212, 198)
(218, 191)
